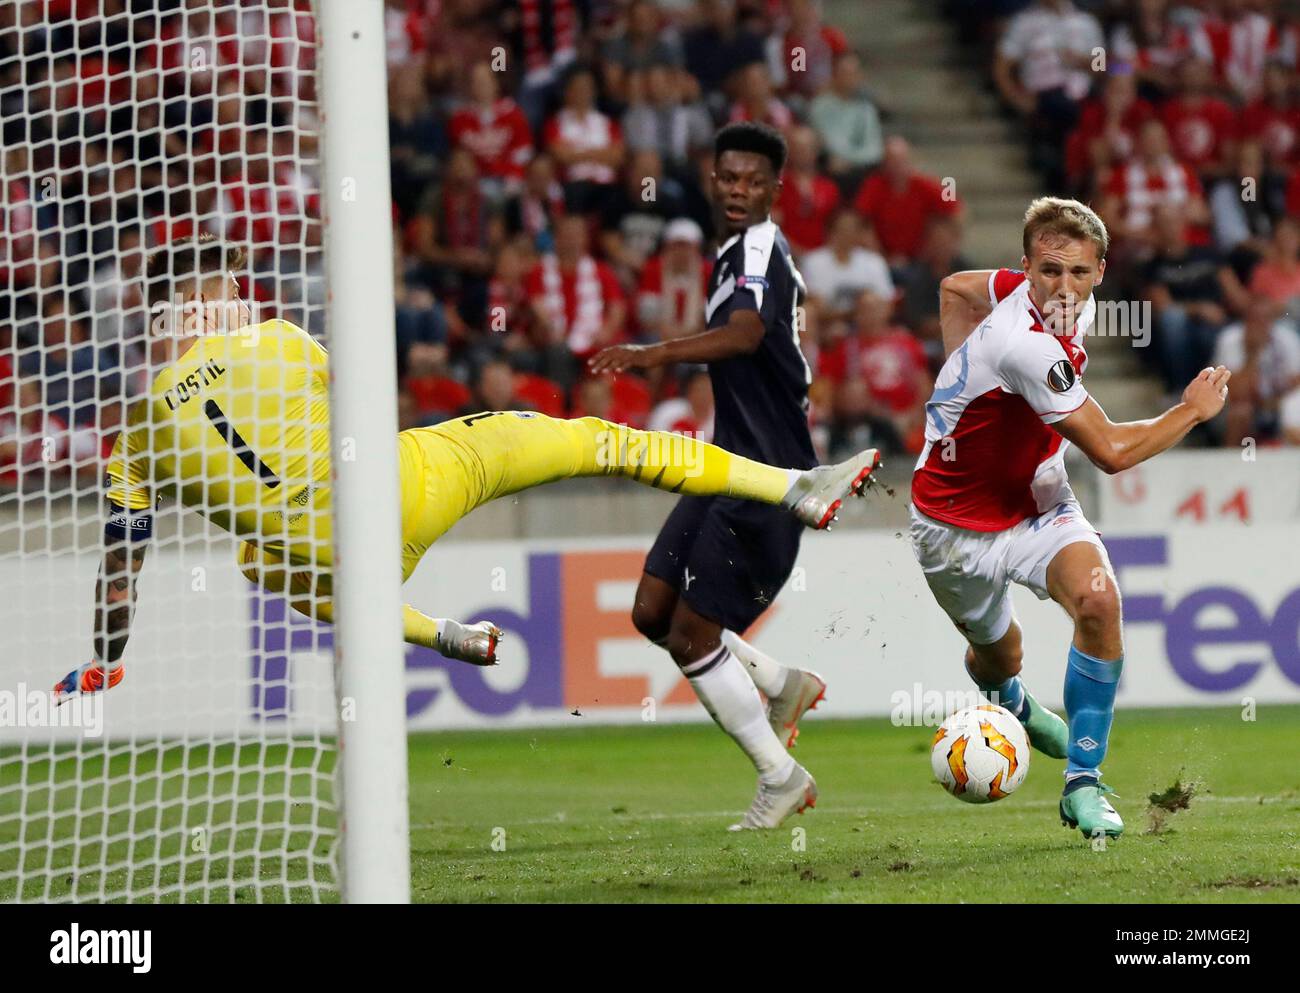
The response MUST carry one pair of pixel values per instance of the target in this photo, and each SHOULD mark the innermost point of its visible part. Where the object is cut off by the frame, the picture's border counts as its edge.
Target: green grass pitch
(639, 814)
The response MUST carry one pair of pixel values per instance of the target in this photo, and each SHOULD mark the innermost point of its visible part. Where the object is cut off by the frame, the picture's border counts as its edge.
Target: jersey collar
(726, 245)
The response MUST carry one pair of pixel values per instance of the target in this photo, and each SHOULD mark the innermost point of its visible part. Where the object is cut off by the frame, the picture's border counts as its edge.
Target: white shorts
(969, 572)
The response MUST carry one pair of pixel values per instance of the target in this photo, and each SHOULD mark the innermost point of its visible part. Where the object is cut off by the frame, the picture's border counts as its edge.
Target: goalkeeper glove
(472, 643)
(90, 678)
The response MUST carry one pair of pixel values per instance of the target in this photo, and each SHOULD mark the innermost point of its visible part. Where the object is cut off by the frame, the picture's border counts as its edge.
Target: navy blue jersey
(761, 400)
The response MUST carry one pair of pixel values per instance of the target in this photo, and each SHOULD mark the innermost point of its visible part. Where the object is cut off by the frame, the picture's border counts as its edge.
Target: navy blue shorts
(726, 558)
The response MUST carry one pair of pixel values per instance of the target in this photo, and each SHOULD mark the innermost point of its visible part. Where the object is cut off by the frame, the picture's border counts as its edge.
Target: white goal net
(208, 774)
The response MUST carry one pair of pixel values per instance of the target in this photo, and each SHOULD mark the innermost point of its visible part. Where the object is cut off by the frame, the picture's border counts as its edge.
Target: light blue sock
(1010, 694)
(1090, 686)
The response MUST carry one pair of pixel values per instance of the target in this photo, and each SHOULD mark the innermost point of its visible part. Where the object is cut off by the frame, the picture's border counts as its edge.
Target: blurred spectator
(1264, 356)
(807, 198)
(1151, 45)
(594, 397)
(422, 331)
(1202, 127)
(494, 129)
(881, 376)
(1153, 178)
(1107, 133)
(642, 44)
(404, 34)
(668, 119)
(848, 124)
(534, 210)
(671, 292)
(899, 201)
(756, 98)
(838, 273)
(495, 390)
(1237, 40)
(1043, 69)
(635, 214)
(546, 36)
(692, 412)
(578, 296)
(76, 374)
(623, 399)
(810, 47)
(19, 219)
(1243, 213)
(1273, 121)
(35, 440)
(587, 145)
(1186, 285)
(455, 232)
(417, 141)
(718, 47)
(919, 281)
(1277, 276)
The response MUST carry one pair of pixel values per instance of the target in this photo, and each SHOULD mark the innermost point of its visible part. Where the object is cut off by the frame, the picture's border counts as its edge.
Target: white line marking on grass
(563, 817)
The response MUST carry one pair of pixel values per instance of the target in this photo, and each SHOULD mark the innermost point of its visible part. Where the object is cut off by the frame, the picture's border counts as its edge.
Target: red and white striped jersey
(990, 459)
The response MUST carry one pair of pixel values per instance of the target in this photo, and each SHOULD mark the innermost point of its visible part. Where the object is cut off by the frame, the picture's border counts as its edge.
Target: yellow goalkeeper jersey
(237, 428)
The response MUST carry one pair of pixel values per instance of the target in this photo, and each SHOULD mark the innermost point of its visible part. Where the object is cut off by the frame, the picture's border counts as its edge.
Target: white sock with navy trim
(720, 681)
(768, 674)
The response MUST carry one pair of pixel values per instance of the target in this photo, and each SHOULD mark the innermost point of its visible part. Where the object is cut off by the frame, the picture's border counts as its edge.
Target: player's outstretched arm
(1116, 447)
(115, 599)
(963, 303)
(741, 335)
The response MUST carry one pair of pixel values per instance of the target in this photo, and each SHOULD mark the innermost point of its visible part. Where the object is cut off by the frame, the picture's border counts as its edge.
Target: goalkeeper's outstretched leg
(448, 470)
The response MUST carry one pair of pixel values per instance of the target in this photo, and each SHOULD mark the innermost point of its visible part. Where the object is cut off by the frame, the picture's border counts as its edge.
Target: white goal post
(251, 753)
(368, 648)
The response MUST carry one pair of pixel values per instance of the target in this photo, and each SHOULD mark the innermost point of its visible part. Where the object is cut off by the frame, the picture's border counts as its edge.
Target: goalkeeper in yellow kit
(236, 425)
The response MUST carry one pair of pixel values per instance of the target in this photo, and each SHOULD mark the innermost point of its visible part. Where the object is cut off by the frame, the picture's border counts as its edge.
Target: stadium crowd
(550, 163)
(1179, 121)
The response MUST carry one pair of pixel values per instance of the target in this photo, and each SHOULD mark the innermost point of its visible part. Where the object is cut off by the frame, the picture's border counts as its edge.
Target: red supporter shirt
(900, 216)
(805, 212)
(891, 364)
(1199, 130)
(1141, 190)
(499, 138)
(1092, 125)
(1275, 129)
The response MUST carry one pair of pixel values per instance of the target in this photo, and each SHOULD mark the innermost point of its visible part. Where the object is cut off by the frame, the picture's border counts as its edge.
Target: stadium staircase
(937, 95)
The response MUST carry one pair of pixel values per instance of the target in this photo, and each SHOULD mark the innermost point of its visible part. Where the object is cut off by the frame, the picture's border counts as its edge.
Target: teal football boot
(1086, 808)
(1046, 731)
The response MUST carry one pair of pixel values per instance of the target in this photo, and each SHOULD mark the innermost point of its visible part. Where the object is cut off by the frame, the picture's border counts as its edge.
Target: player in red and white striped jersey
(990, 499)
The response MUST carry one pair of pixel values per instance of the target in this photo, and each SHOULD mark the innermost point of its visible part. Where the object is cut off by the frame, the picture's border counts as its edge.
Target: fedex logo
(1185, 633)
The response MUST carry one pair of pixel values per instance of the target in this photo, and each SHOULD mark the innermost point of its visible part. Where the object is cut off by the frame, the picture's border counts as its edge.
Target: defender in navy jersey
(717, 563)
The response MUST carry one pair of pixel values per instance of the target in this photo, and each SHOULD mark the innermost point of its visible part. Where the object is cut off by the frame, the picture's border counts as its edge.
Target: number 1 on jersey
(236, 441)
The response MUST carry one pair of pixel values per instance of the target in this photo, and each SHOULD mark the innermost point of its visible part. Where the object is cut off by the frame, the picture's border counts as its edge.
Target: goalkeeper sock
(679, 464)
(732, 701)
(768, 674)
(419, 629)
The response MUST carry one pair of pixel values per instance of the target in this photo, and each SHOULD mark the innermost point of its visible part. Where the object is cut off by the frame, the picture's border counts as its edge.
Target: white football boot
(773, 804)
(802, 692)
(817, 494)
